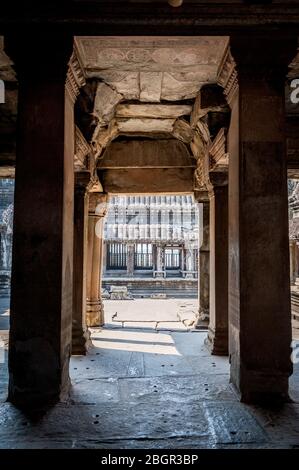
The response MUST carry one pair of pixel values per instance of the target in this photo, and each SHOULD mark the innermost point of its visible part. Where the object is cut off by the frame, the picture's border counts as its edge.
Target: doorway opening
(293, 198)
(6, 232)
(150, 262)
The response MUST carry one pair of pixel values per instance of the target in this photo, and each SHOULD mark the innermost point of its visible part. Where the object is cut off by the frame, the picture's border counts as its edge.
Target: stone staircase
(145, 288)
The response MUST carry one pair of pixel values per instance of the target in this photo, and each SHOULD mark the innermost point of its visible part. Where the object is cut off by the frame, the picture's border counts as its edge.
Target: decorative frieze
(227, 75)
(75, 78)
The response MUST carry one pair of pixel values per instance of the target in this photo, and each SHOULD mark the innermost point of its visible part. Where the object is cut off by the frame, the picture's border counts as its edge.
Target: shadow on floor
(152, 389)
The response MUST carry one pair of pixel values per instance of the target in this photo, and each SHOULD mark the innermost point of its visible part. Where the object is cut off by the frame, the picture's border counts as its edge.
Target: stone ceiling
(152, 69)
(143, 87)
(148, 85)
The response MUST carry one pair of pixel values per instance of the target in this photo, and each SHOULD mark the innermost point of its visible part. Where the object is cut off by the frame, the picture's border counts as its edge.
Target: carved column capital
(97, 204)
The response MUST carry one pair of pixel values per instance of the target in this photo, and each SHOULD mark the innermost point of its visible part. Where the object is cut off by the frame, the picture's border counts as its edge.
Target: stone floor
(157, 314)
(149, 388)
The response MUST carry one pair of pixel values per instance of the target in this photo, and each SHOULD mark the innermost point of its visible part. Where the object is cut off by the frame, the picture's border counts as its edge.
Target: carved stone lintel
(227, 75)
(75, 78)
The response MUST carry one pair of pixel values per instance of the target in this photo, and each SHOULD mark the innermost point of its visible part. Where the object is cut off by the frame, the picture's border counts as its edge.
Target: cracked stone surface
(143, 388)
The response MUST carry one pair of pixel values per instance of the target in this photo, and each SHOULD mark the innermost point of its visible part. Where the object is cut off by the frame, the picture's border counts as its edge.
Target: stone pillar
(259, 277)
(204, 266)
(96, 214)
(104, 269)
(80, 334)
(42, 265)
(160, 272)
(217, 340)
(293, 270)
(130, 259)
(189, 263)
(183, 260)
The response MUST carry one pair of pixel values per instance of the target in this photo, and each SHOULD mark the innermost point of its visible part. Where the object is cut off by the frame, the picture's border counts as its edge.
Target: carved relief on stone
(200, 183)
(203, 130)
(103, 136)
(200, 147)
(155, 68)
(75, 78)
(165, 52)
(201, 140)
(182, 131)
(106, 100)
(218, 156)
(227, 75)
(82, 149)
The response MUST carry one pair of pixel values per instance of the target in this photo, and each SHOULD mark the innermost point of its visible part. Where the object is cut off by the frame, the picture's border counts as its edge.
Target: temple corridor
(146, 239)
(148, 388)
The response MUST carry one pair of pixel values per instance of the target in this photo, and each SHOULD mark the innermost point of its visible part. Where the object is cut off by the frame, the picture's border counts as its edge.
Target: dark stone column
(217, 340)
(80, 333)
(204, 267)
(42, 265)
(259, 278)
(96, 214)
